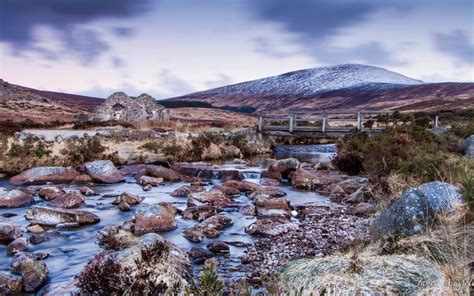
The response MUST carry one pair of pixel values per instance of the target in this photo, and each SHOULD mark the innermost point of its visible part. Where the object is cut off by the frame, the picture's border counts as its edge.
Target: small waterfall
(251, 175)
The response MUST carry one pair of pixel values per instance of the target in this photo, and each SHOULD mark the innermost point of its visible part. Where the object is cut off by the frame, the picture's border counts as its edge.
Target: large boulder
(158, 171)
(150, 265)
(68, 200)
(415, 209)
(268, 227)
(33, 272)
(14, 198)
(45, 174)
(9, 232)
(103, 171)
(49, 216)
(153, 218)
(468, 146)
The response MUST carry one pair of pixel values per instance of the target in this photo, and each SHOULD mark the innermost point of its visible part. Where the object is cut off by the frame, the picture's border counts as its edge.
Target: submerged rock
(270, 226)
(242, 186)
(9, 232)
(273, 207)
(69, 200)
(146, 180)
(218, 247)
(103, 171)
(14, 198)
(158, 171)
(226, 190)
(45, 174)
(415, 209)
(199, 255)
(87, 191)
(33, 272)
(217, 199)
(153, 218)
(49, 216)
(150, 265)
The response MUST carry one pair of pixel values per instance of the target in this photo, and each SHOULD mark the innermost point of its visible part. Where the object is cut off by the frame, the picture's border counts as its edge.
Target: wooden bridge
(325, 123)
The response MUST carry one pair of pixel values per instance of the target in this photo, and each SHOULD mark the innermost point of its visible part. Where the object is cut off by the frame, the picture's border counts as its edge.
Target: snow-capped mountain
(334, 87)
(317, 80)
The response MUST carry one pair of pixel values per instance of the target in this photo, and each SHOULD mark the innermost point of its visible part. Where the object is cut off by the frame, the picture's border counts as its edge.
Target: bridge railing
(322, 121)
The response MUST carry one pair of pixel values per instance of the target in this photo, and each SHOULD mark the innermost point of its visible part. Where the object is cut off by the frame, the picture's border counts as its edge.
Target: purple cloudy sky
(173, 47)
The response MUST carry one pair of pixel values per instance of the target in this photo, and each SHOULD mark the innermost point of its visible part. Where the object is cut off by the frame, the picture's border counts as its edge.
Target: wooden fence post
(290, 125)
(260, 123)
(325, 119)
(358, 121)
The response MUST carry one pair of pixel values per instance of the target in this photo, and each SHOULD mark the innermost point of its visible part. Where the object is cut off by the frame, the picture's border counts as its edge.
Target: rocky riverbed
(247, 216)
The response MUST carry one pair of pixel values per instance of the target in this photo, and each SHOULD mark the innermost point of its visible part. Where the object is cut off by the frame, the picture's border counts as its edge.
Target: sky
(173, 47)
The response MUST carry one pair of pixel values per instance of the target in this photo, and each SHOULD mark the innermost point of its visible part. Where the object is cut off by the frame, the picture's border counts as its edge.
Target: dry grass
(451, 247)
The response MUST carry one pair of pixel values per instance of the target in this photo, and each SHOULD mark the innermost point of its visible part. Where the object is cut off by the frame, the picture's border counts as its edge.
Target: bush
(29, 148)
(349, 162)
(82, 151)
(467, 191)
(210, 283)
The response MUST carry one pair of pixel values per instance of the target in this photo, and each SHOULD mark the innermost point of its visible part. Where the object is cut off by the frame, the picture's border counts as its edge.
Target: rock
(10, 285)
(128, 198)
(83, 179)
(274, 207)
(151, 264)
(9, 232)
(35, 229)
(218, 247)
(200, 213)
(315, 179)
(33, 272)
(147, 187)
(184, 191)
(226, 190)
(199, 255)
(158, 171)
(194, 234)
(153, 218)
(38, 238)
(103, 171)
(216, 222)
(270, 226)
(468, 146)
(49, 216)
(271, 175)
(69, 200)
(349, 191)
(248, 210)
(18, 245)
(87, 191)
(217, 199)
(242, 186)
(363, 209)
(114, 237)
(50, 192)
(146, 180)
(124, 207)
(45, 174)
(284, 166)
(266, 192)
(270, 182)
(14, 198)
(226, 175)
(415, 209)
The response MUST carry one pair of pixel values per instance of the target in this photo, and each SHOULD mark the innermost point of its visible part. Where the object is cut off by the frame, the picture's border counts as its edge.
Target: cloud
(173, 84)
(456, 44)
(123, 31)
(20, 18)
(315, 22)
(222, 80)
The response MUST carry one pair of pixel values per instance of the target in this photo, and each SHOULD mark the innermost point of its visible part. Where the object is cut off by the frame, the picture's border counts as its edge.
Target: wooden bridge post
(325, 119)
(290, 125)
(260, 123)
(358, 121)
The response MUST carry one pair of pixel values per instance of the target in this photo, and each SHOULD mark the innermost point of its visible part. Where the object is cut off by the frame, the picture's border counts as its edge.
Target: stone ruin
(119, 106)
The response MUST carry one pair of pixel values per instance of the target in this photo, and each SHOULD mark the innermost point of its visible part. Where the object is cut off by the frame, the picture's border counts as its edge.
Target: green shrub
(210, 283)
(467, 191)
(84, 150)
(29, 148)
(153, 146)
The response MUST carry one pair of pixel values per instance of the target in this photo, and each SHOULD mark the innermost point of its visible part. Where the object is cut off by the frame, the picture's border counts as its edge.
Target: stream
(70, 249)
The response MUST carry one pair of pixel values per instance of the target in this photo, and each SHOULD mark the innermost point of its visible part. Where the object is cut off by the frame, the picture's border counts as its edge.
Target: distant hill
(349, 86)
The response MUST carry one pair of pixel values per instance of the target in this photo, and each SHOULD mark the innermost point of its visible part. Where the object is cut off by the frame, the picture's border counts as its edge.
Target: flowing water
(70, 249)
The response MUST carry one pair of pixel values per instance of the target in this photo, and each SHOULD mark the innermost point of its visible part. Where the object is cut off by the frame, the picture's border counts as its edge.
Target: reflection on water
(306, 153)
